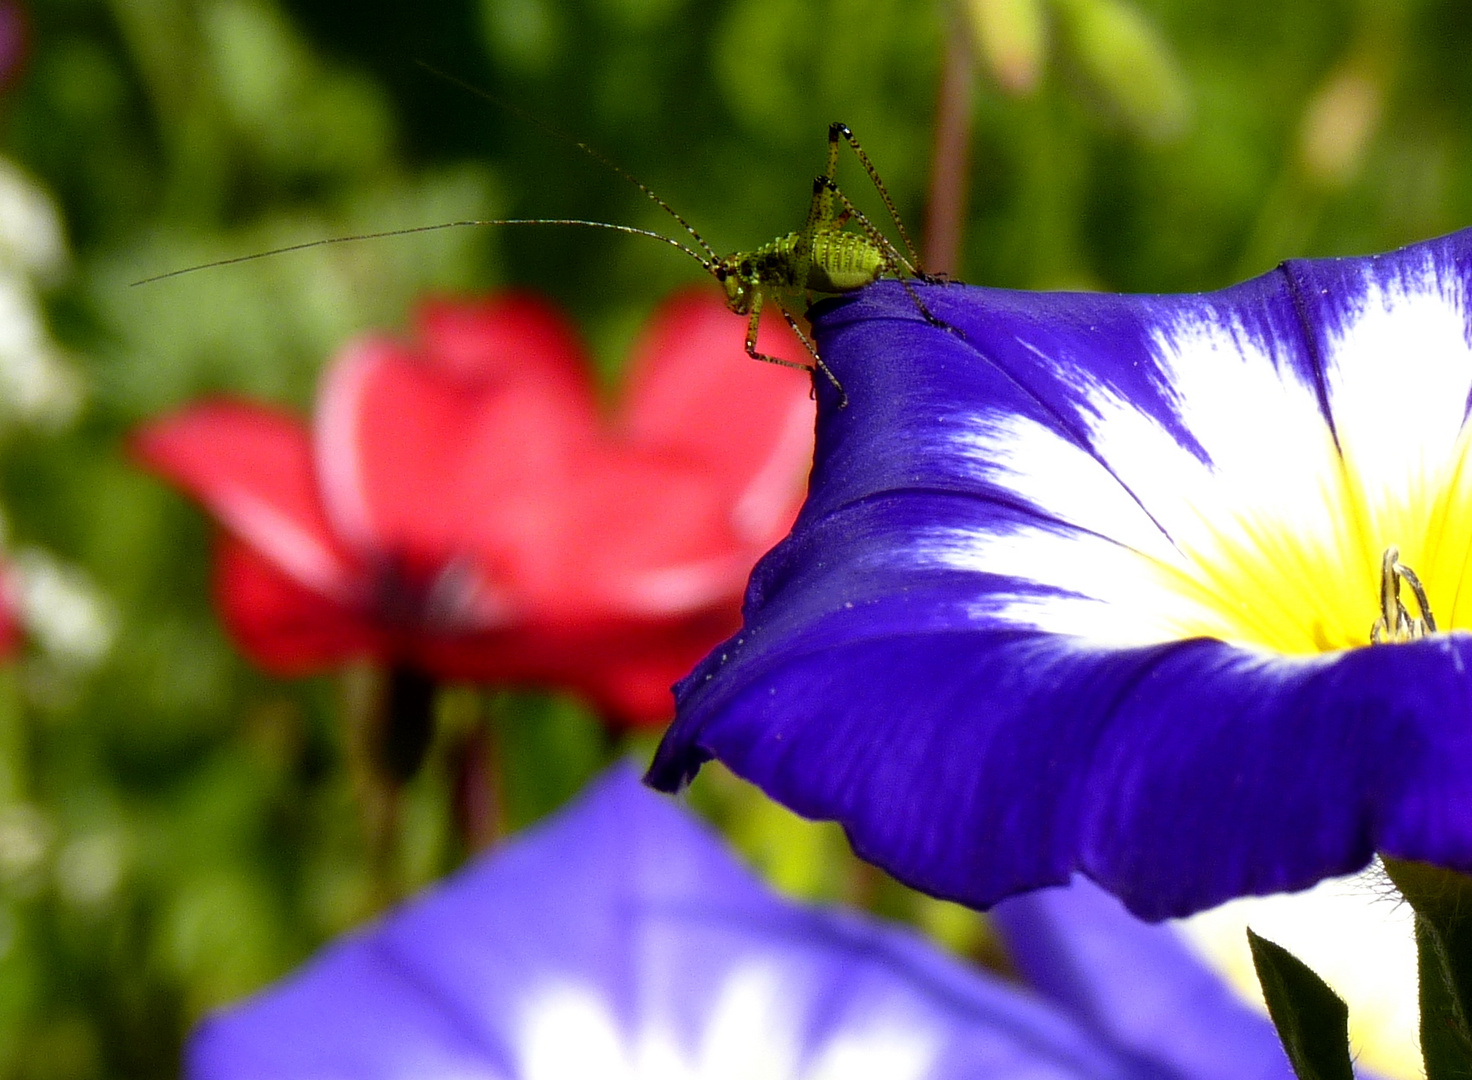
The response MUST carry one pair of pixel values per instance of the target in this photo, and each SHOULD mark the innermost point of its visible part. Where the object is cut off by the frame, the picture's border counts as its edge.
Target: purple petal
(968, 652)
(621, 939)
(1136, 985)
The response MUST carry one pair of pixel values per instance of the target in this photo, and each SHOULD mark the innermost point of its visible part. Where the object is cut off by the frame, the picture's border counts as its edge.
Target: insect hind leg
(838, 130)
(895, 262)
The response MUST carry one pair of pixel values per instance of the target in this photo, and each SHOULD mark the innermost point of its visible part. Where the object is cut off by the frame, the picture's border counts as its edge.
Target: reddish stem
(477, 801)
(950, 163)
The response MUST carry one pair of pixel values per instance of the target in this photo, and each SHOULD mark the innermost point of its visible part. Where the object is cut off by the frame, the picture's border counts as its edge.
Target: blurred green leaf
(524, 35)
(1130, 63)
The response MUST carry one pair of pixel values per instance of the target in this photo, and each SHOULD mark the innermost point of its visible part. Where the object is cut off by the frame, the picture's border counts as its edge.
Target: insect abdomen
(843, 262)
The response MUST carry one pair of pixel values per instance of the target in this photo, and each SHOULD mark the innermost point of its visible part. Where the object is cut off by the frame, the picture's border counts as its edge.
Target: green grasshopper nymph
(821, 257)
(818, 258)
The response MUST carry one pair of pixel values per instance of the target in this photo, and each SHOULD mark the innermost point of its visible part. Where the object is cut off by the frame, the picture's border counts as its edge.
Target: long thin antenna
(597, 156)
(707, 264)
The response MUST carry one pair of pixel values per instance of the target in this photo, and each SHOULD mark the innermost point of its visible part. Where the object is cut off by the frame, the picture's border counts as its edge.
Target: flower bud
(1011, 39)
(1338, 124)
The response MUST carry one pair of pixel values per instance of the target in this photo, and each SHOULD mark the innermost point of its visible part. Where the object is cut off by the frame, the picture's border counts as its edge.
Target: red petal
(642, 537)
(252, 468)
(635, 689)
(624, 668)
(12, 631)
(668, 520)
(422, 459)
(511, 335)
(286, 629)
(694, 394)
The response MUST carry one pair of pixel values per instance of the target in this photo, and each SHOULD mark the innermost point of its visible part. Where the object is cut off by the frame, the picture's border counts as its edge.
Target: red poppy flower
(463, 507)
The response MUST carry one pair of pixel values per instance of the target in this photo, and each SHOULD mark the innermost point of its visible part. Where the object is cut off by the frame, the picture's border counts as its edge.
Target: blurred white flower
(25, 837)
(36, 382)
(60, 608)
(90, 868)
(31, 238)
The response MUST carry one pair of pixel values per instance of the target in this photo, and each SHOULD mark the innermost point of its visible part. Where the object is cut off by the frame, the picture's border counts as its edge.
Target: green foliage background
(177, 829)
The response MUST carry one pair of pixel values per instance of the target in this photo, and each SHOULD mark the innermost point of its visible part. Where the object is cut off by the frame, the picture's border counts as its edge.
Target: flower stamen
(1396, 624)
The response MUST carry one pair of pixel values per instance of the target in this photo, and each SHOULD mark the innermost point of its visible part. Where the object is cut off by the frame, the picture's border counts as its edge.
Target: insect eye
(721, 273)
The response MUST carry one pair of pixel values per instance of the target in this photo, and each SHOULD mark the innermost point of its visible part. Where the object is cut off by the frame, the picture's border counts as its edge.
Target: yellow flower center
(1354, 569)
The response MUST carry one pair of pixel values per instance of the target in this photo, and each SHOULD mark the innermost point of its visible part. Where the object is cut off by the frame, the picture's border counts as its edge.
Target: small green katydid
(821, 257)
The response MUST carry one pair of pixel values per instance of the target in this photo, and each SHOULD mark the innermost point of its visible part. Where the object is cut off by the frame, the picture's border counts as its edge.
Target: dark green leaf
(1444, 1043)
(1311, 1019)
(1442, 901)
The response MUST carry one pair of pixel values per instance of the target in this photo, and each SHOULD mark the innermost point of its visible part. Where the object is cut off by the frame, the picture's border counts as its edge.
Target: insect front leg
(753, 324)
(817, 360)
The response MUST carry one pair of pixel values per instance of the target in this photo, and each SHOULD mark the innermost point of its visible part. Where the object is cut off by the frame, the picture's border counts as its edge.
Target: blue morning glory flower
(620, 941)
(1089, 583)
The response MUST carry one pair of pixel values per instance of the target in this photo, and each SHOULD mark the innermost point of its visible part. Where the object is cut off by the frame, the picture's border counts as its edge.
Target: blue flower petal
(621, 940)
(1137, 985)
(1081, 584)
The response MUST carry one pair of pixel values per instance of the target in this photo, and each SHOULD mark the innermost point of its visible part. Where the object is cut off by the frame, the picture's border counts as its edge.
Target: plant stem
(950, 163)
(477, 793)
